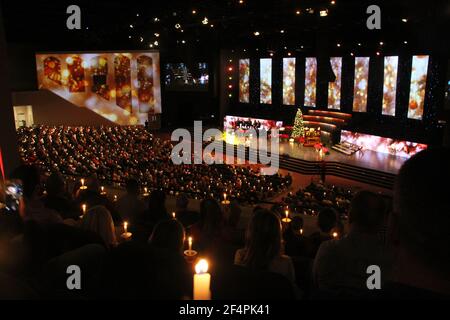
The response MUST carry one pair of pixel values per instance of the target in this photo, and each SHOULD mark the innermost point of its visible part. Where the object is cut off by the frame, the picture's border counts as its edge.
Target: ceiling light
(156, 35)
(141, 39)
(359, 44)
(338, 45)
(381, 43)
(404, 20)
(205, 20)
(405, 42)
(271, 54)
(323, 13)
(156, 43)
(177, 26)
(281, 31)
(378, 53)
(183, 41)
(155, 19)
(256, 33)
(151, 45)
(137, 14)
(194, 11)
(131, 26)
(241, 1)
(297, 12)
(212, 26)
(333, 2)
(289, 54)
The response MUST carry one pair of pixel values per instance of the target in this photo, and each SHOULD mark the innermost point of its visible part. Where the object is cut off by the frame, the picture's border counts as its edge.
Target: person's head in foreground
(366, 213)
(168, 235)
(420, 225)
(99, 220)
(263, 240)
(327, 220)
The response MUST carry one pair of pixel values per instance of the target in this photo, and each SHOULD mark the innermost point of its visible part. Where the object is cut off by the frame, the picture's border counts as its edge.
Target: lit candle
(287, 219)
(126, 235)
(103, 193)
(84, 208)
(174, 215)
(335, 235)
(190, 243)
(202, 281)
(115, 198)
(301, 231)
(225, 197)
(83, 187)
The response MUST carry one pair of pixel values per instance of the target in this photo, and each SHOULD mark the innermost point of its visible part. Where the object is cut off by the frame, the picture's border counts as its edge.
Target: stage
(366, 159)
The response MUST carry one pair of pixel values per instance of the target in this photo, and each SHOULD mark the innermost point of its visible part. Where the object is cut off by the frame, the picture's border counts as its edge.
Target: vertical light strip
(390, 85)
(266, 81)
(419, 77)
(310, 82)
(289, 81)
(361, 87)
(334, 88)
(244, 80)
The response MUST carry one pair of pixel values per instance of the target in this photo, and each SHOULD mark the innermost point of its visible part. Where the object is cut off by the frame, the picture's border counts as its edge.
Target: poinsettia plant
(320, 146)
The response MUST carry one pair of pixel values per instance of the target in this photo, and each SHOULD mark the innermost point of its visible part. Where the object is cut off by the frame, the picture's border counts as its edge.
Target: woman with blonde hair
(99, 220)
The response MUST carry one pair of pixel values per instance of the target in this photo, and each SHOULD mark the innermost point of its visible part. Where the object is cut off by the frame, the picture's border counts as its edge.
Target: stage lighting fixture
(297, 12)
(323, 13)
(281, 31)
(359, 44)
(338, 45)
(194, 11)
(156, 35)
(177, 26)
(404, 20)
(405, 42)
(381, 43)
(156, 43)
(205, 20)
(131, 26)
(155, 19)
(256, 33)
(333, 2)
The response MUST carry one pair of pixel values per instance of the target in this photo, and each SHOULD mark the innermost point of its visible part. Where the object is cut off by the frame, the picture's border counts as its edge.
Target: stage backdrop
(121, 87)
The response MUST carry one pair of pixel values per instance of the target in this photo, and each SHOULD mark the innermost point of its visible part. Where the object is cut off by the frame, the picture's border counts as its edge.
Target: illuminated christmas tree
(299, 127)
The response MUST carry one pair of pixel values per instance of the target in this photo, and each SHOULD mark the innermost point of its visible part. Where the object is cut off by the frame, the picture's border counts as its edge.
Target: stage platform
(365, 166)
(366, 159)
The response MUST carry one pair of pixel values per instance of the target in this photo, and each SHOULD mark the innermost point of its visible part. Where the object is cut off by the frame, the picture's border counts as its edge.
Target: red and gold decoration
(361, 87)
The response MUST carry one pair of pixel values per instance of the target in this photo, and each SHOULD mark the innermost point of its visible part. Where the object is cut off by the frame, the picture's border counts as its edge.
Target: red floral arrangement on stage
(320, 147)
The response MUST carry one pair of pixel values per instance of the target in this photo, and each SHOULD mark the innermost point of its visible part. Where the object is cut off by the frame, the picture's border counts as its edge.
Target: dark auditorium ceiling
(231, 24)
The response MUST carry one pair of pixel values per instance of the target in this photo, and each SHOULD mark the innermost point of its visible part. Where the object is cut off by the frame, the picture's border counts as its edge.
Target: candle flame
(201, 267)
(174, 215)
(190, 240)
(335, 235)
(82, 182)
(287, 213)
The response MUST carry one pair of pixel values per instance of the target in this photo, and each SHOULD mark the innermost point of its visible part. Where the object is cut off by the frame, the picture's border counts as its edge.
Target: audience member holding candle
(130, 206)
(295, 241)
(184, 215)
(326, 221)
(338, 262)
(263, 250)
